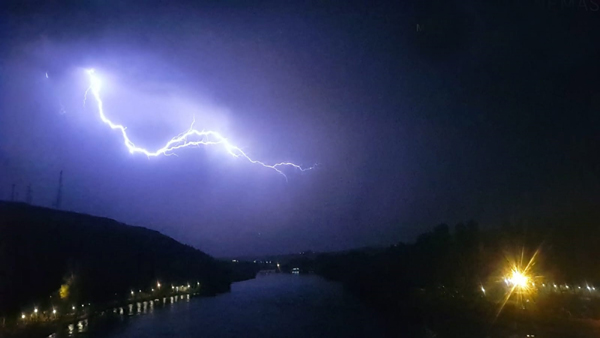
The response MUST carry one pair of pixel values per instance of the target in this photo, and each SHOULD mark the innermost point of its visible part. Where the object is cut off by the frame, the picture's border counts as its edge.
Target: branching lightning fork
(202, 137)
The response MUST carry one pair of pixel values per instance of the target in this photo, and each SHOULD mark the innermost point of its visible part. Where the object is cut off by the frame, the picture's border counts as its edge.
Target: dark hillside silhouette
(99, 259)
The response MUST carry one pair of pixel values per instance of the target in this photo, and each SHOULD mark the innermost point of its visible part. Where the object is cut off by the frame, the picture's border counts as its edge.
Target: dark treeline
(55, 258)
(443, 272)
(464, 257)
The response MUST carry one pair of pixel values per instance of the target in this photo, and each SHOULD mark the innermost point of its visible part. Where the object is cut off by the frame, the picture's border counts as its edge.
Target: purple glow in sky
(490, 112)
(203, 137)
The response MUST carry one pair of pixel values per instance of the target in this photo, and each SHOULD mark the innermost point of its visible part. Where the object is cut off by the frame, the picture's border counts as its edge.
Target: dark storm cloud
(481, 111)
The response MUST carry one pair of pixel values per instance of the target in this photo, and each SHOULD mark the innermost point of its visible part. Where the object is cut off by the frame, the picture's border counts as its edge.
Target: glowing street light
(158, 285)
(35, 310)
(23, 316)
(518, 279)
(53, 311)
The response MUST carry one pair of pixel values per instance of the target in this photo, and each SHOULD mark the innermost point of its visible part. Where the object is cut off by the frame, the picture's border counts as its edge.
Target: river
(276, 305)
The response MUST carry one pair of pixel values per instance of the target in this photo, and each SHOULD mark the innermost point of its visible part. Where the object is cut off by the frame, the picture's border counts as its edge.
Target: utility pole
(12, 193)
(29, 196)
(59, 194)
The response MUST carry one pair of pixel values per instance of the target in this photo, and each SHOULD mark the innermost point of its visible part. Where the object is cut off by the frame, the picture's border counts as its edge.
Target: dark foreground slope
(95, 259)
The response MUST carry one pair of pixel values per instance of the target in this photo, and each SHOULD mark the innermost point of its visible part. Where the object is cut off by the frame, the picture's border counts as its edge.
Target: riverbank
(275, 305)
(139, 303)
(43, 327)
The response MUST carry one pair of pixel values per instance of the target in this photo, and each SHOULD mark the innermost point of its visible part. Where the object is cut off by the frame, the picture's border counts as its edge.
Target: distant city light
(35, 310)
(158, 284)
(22, 316)
(53, 311)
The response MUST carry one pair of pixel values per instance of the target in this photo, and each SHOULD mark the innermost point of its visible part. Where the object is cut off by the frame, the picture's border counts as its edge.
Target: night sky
(416, 112)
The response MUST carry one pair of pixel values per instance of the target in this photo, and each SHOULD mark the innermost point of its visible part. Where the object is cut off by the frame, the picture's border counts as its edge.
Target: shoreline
(127, 307)
(115, 307)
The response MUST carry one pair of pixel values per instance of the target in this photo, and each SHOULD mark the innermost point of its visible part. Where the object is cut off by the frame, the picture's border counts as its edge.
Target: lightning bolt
(200, 137)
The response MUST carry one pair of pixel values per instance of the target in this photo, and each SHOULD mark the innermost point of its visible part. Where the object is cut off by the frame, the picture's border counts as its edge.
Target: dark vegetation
(437, 281)
(51, 258)
(242, 270)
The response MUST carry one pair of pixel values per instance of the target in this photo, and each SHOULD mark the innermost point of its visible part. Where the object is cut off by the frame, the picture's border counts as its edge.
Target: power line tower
(29, 196)
(12, 193)
(59, 193)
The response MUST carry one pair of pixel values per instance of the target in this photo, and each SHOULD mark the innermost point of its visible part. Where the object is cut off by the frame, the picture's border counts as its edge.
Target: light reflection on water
(270, 306)
(82, 327)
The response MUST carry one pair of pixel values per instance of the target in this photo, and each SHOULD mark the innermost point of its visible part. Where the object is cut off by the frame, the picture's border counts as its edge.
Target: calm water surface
(277, 305)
